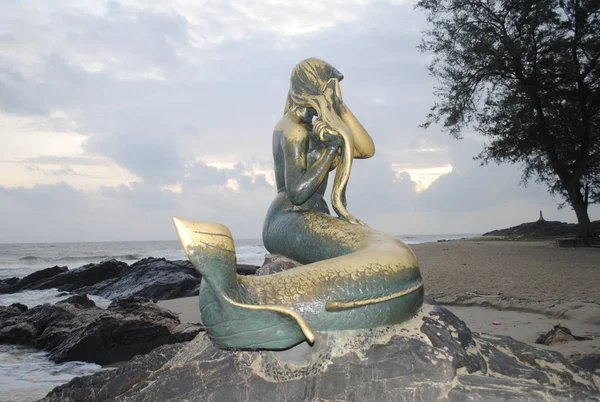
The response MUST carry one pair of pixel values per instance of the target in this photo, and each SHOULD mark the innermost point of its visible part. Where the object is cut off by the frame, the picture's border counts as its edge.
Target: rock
(13, 285)
(106, 385)
(132, 300)
(276, 263)
(542, 229)
(431, 357)
(6, 285)
(151, 278)
(75, 329)
(558, 335)
(70, 280)
(589, 363)
(40, 275)
(246, 269)
(12, 310)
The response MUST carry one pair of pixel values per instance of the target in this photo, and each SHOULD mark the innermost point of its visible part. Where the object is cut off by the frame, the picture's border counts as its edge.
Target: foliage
(523, 73)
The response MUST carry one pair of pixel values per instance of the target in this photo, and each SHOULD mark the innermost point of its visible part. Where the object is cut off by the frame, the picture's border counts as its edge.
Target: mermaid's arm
(363, 144)
(301, 182)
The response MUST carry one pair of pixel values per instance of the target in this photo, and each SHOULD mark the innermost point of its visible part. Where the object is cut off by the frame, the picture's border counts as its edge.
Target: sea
(26, 374)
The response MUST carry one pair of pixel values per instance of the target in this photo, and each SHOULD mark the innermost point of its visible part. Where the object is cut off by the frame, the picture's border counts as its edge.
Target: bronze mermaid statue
(353, 277)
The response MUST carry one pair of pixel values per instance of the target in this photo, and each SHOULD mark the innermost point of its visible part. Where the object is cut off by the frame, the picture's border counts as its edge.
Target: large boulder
(12, 285)
(431, 357)
(151, 278)
(12, 310)
(108, 384)
(75, 329)
(70, 280)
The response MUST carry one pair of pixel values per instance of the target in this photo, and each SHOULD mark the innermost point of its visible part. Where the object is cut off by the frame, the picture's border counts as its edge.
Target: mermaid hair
(308, 80)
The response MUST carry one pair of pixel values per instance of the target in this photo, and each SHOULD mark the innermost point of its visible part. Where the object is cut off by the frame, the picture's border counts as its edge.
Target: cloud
(65, 160)
(56, 196)
(131, 100)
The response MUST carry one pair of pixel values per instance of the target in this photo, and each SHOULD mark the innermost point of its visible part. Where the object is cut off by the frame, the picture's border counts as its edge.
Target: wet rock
(405, 362)
(151, 278)
(106, 385)
(12, 310)
(6, 285)
(558, 335)
(71, 280)
(13, 285)
(75, 329)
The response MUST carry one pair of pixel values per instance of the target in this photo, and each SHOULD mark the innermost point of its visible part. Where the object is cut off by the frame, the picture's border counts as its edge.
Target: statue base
(434, 356)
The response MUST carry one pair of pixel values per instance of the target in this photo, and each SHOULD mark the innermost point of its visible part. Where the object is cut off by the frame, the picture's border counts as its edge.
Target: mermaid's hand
(326, 135)
(333, 140)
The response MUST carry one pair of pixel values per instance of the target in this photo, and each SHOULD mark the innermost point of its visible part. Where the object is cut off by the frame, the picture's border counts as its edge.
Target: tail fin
(210, 248)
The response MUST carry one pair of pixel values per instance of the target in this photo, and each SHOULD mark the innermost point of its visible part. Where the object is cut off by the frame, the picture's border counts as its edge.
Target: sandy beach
(532, 271)
(527, 287)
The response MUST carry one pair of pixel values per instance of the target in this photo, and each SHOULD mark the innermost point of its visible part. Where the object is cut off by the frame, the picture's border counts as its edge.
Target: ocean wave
(125, 257)
(27, 374)
(30, 258)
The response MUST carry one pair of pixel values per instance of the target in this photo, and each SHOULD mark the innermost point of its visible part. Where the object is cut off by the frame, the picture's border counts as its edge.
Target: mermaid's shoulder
(291, 128)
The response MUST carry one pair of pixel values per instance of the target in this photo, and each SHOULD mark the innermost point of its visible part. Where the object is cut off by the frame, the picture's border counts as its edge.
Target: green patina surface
(354, 277)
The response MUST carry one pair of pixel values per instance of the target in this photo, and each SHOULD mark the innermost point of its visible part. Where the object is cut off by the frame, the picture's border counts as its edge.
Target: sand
(533, 271)
(528, 287)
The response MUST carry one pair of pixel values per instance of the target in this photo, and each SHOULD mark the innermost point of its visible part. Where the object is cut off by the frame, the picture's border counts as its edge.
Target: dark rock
(132, 300)
(7, 285)
(589, 363)
(396, 363)
(245, 269)
(40, 275)
(150, 278)
(25, 328)
(558, 335)
(106, 385)
(76, 279)
(13, 285)
(75, 329)
(276, 263)
(441, 337)
(11, 311)
(542, 229)
(81, 301)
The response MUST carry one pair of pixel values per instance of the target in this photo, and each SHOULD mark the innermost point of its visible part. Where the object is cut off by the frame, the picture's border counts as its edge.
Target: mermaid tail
(376, 281)
(229, 321)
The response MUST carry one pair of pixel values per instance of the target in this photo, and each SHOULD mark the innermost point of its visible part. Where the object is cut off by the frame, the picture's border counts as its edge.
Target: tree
(523, 73)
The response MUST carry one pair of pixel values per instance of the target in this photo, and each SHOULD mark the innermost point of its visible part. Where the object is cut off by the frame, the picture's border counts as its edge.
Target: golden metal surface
(336, 306)
(353, 277)
(304, 325)
(333, 118)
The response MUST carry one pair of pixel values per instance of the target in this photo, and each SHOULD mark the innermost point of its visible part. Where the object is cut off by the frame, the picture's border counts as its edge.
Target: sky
(117, 115)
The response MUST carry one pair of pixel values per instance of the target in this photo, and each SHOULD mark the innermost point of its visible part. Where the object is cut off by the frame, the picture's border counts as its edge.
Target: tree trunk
(580, 207)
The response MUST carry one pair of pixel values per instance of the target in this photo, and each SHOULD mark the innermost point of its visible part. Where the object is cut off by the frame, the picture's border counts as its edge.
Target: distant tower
(541, 217)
